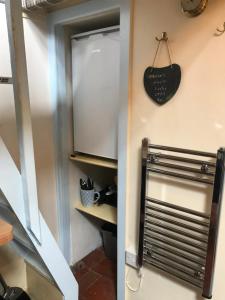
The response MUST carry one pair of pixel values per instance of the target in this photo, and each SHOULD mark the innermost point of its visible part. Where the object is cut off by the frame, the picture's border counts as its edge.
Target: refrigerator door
(96, 64)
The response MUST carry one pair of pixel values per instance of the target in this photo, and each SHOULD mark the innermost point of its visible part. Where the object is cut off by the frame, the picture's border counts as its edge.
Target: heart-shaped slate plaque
(161, 84)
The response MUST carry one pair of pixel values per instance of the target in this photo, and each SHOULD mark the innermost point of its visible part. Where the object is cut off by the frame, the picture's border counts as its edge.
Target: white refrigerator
(96, 83)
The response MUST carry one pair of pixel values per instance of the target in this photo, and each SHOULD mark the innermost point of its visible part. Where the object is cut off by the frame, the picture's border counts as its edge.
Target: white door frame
(61, 101)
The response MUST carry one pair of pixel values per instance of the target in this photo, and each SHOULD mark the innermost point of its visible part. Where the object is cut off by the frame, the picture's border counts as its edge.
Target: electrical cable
(140, 275)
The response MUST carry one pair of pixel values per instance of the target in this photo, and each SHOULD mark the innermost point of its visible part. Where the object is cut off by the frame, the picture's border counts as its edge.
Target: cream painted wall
(12, 267)
(194, 118)
(36, 41)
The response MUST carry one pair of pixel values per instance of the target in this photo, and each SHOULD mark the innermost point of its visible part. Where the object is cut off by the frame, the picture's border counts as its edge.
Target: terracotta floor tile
(88, 280)
(80, 270)
(106, 268)
(102, 289)
(94, 258)
(96, 275)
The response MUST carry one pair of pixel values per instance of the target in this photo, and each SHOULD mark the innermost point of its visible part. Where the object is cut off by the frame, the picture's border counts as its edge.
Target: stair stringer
(11, 187)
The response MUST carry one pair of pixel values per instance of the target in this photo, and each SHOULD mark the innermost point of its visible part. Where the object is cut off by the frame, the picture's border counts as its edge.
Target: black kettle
(109, 196)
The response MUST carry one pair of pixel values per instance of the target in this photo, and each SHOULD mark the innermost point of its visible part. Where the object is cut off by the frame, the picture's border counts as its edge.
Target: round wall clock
(193, 7)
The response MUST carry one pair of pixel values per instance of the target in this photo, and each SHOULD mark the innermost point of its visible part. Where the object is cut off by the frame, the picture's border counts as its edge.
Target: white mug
(89, 197)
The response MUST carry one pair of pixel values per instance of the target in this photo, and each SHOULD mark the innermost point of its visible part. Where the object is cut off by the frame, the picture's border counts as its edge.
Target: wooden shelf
(96, 161)
(104, 212)
(6, 233)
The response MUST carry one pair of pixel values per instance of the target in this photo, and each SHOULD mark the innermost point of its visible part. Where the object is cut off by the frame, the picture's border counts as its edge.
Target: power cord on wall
(140, 276)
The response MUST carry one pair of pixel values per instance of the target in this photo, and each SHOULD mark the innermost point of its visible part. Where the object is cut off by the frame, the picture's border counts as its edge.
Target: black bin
(109, 236)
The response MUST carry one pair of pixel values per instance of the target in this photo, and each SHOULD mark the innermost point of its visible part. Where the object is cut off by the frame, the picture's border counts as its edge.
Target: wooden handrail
(6, 233)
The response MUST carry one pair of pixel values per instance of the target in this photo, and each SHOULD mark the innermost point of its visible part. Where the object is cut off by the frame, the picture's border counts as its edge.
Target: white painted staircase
(18, 191)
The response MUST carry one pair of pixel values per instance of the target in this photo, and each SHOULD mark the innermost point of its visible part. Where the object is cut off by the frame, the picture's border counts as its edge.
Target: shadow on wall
(12, 267)
(44, 159)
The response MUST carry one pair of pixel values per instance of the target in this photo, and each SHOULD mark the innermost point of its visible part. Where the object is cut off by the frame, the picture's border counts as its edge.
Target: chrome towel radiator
(176, 239)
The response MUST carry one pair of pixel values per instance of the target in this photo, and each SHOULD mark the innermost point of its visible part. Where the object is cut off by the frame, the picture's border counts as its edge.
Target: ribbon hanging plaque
(161, 84)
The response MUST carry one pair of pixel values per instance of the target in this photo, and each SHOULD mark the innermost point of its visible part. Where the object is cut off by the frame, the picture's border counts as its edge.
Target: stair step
(21, 242)
(45, 256)
(19, 233)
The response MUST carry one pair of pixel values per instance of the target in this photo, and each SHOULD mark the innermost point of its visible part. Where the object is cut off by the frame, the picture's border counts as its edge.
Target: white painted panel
(36, 38)
(96, 94)
(5, 66)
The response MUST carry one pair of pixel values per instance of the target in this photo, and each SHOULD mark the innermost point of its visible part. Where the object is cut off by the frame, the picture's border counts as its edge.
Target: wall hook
(219, 31)
(165, 37)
